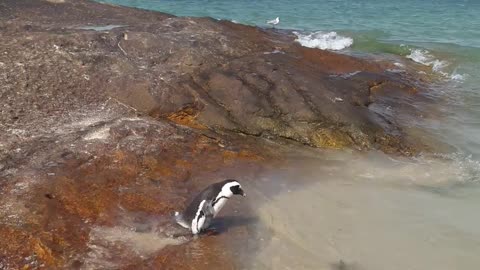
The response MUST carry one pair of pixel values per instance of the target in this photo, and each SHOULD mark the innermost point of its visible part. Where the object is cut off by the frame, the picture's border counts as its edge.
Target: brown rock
(99, 125)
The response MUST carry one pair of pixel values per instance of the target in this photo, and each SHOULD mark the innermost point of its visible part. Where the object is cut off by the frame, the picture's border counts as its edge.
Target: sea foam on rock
(424, 57)
(438, 66)
(324, 40)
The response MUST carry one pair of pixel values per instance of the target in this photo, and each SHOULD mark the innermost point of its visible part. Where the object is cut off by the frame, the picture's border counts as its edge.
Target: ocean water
(371, 211)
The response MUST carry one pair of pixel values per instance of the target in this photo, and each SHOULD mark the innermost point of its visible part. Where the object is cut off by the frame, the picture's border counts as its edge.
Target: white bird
(274, 22)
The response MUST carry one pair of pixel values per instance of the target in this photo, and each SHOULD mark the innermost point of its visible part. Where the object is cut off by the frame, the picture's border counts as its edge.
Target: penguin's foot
(211, 231)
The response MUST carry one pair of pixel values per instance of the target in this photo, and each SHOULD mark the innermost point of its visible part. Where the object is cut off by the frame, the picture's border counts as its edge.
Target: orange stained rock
(335, 63)
(84, 200)
(242, 154)
(145, 203)
(202, 254)
(44, 253)
(156, 168)
(21, 248)
(186, 117)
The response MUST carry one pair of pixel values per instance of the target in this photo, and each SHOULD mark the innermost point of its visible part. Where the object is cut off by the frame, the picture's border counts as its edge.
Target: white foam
(274, 52)
(464, 167)
(425, 58)
(419, 56)
(324, 40)
(457, 77)
(351, 74)
(438, 66)
(400, 68)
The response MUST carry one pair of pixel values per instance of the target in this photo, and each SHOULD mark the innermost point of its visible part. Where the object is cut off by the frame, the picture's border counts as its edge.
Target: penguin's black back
(209, 194)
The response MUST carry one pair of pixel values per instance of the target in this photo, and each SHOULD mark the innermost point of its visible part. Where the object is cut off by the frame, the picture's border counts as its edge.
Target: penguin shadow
(341, 265)
(223, 224)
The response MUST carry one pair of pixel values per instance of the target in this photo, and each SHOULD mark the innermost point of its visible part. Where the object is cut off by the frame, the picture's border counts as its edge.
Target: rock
(144, 166)
(136, 109)
(200, 72)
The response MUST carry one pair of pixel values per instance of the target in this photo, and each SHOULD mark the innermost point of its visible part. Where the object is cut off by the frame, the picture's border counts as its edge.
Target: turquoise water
(442, 34)
(440, 21)
(450, 28)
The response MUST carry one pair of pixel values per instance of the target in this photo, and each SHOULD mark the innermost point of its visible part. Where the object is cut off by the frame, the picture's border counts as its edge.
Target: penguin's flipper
(200, 221)
(181, 221)
(207, 214)
(208, 209)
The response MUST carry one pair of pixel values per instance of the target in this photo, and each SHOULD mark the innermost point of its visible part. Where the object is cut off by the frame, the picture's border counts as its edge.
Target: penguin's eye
(235, 189)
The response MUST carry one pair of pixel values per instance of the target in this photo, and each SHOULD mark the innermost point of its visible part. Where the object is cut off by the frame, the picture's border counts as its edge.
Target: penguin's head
(233, 187)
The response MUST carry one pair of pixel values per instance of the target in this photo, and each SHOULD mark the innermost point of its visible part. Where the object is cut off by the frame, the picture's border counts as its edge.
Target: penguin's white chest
(219, 205)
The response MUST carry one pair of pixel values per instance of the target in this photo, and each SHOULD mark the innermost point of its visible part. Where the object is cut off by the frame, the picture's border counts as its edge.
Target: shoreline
(137, 117)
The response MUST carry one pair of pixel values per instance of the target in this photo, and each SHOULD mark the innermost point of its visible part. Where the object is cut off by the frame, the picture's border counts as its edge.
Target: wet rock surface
(65, 204)
(107, 110)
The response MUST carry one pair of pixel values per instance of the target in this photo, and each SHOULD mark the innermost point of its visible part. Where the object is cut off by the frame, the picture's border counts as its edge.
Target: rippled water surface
(367, 212)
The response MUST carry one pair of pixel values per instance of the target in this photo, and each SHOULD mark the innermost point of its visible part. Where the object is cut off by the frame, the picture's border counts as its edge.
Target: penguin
(199, 214)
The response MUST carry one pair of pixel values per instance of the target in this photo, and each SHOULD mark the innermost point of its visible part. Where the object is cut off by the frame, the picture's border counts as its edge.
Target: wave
(374, 42)
(368, 42)
(457, 77)
(426, 58)
(463, 166)
(324, 40)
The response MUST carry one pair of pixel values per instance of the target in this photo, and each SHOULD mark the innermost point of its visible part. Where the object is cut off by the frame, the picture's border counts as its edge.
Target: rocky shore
(107, 109)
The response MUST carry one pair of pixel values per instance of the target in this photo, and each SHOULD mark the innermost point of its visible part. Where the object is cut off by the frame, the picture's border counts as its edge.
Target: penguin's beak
(243, 193)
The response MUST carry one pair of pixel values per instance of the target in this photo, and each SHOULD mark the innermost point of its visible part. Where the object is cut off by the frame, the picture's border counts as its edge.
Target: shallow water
(321, 209)
(366, 212)
(112, 247)
(135, 236)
